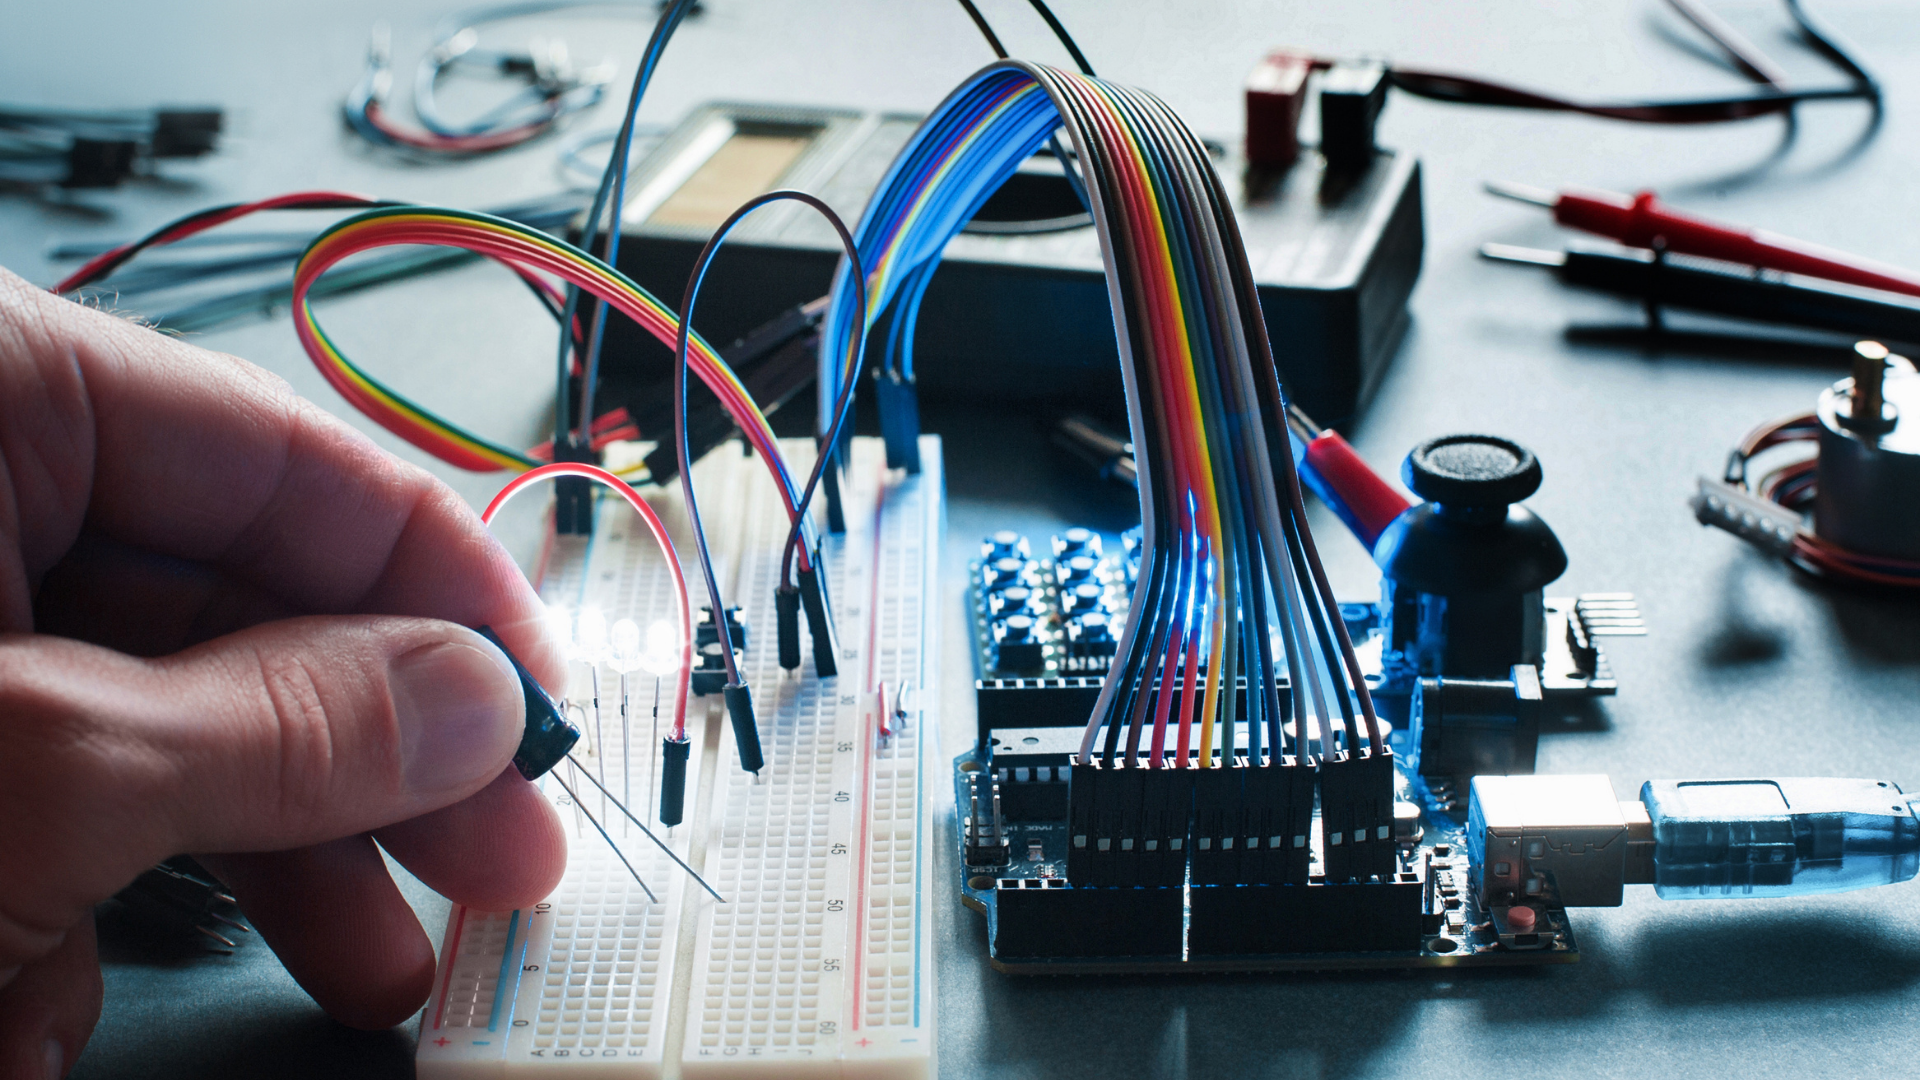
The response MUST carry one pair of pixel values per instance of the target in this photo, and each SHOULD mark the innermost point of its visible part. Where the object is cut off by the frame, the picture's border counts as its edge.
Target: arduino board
(1248, 882)
(818, 962)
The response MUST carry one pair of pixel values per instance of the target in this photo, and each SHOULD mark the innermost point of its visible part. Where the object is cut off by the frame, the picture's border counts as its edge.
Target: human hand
(232, 626)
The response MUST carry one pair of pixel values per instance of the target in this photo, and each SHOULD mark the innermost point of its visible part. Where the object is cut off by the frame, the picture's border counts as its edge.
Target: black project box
(1019, 309)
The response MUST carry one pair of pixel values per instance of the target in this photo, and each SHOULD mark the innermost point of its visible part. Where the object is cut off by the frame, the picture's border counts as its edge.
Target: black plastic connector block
(1047, 918)
(786, 610)
(1257, 920)
(673, 779)
(1160, 852)
(819, 608)
(1301, 797)
(184, 133)
(1356, 815)
(548, 736)
(1219, 823)
(1086, 824)
(1262, 847)
(573, 495)
(1122, 798)
(1352, 93)
(1276, 850)
(1122, 821)
(746, 732)
(899, 405)
(99, 163)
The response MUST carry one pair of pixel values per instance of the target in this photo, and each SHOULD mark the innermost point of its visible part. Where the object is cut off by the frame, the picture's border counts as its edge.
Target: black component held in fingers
(673, 779)
(548, 736)
(746, 733)
(826, 648)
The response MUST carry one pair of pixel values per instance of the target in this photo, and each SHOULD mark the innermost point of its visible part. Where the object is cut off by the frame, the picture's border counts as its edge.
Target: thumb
(279, 736)
(312, 729)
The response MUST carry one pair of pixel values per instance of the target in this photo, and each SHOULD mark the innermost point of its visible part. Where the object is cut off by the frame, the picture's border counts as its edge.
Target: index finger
(200, 456)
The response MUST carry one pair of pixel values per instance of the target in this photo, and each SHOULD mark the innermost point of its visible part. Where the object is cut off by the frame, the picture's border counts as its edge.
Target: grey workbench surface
(1749, 668)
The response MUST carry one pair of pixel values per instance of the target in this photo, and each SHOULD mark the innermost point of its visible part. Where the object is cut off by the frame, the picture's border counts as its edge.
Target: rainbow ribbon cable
(526, 251)
(1231, 591)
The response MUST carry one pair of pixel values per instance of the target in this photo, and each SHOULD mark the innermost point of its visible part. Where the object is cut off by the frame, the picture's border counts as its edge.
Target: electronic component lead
(649, 834)
(601, 829)
(624, 658)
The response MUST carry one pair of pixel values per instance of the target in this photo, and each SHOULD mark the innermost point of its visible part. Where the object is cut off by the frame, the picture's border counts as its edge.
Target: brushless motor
(1868, 495)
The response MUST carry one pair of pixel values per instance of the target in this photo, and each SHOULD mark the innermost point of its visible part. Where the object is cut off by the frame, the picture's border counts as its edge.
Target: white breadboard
(819, 963)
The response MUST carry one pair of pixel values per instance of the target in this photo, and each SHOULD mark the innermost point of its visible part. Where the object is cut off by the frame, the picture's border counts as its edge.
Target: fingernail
(56, 1058)
(460, 711)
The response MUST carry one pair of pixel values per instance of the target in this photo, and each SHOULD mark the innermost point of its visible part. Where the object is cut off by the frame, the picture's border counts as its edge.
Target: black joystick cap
(1472, 470)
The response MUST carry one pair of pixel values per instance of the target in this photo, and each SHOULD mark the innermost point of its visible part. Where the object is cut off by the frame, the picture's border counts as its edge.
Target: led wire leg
(649, 832)
(571, 794)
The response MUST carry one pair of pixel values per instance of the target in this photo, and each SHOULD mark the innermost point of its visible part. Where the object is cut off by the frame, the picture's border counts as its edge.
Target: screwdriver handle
(1643, 221)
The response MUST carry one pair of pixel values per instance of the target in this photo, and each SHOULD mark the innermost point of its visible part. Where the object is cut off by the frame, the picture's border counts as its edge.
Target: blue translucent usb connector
(1785, 836)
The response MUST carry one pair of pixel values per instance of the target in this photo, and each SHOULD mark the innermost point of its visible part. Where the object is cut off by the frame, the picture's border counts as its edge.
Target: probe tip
(1515, 253)
(1521, 193)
